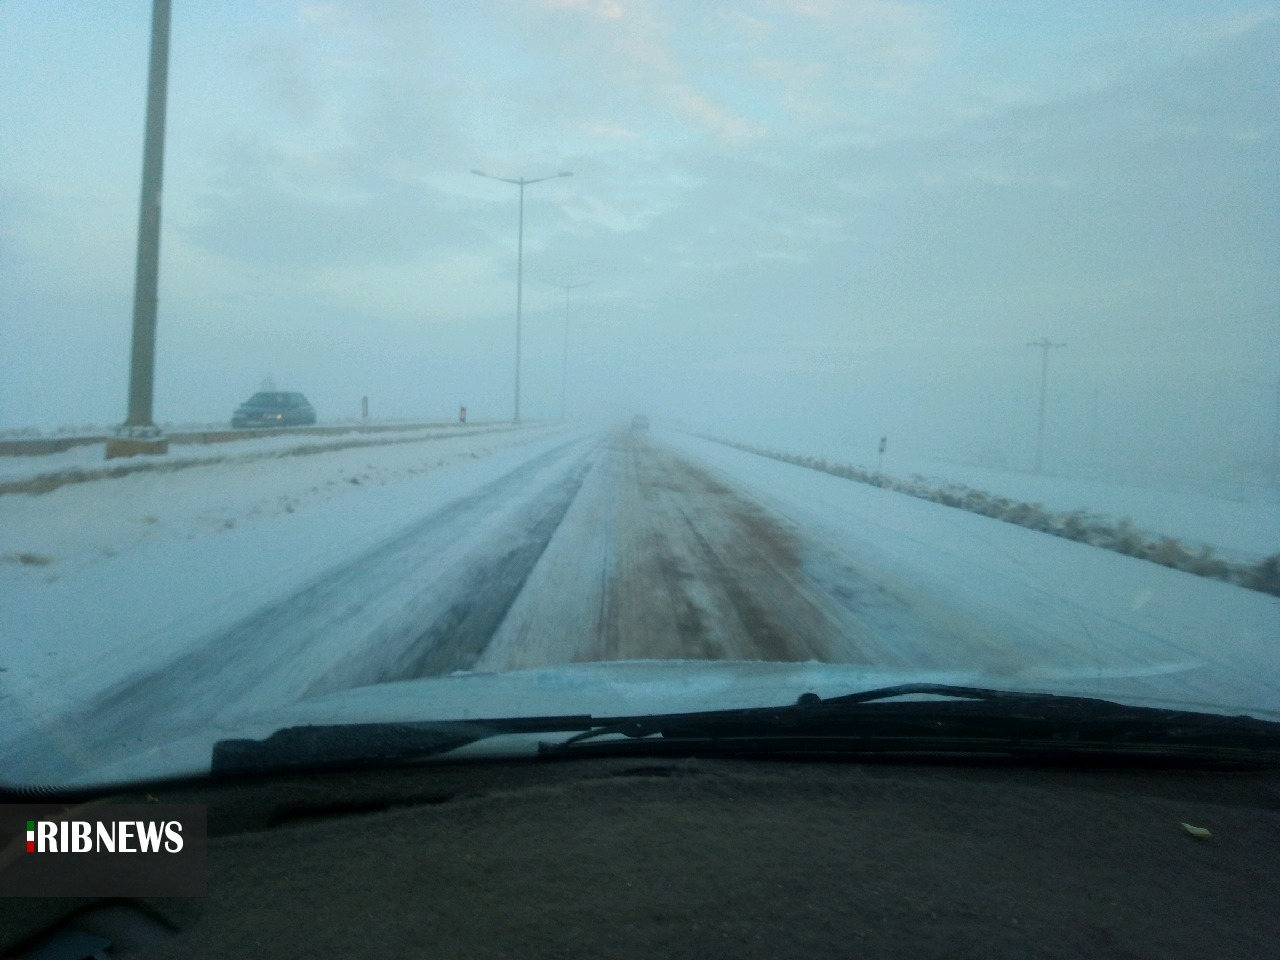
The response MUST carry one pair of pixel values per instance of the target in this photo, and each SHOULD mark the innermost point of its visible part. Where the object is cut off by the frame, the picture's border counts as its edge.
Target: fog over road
(625, 546)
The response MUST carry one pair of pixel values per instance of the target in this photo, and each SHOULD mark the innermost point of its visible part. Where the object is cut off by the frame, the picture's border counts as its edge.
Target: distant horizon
(795, 217)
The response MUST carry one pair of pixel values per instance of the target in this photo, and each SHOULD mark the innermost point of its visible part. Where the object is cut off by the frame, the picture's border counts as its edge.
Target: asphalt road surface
(609, 547)
(604, 549)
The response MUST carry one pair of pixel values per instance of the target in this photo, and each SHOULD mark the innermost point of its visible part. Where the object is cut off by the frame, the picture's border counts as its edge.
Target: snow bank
(1084, 526)
(52, 517)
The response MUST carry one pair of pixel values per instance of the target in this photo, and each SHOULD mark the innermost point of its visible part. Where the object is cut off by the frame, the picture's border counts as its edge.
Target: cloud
(689, 103)
(601, 9)
(827, 186)
(265, 215)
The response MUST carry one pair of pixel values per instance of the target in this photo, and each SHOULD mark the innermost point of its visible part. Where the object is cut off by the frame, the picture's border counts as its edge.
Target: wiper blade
(957, 721)
(364, 745)
(970, 720)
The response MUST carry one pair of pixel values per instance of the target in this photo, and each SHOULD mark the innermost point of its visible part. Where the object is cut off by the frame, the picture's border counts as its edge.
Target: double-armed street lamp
(520, 182)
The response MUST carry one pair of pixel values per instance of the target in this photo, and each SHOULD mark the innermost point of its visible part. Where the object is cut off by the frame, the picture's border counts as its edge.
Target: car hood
(626, 688)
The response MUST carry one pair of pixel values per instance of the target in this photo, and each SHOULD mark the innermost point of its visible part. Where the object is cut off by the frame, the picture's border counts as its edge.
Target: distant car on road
(640, 422)
(270, 409)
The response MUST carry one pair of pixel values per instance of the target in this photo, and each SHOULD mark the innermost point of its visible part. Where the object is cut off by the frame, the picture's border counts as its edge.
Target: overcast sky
(797, 216)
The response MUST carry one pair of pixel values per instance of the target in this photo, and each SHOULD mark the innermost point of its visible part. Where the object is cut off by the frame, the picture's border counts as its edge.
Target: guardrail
(41, 446)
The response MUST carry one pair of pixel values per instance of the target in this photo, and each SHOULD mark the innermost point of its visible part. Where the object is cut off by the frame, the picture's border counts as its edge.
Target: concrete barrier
(42, 446)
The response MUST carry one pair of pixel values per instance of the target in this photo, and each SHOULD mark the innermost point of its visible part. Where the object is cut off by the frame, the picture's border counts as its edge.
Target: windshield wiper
(955, 721)
(363, 745)
(973, 721)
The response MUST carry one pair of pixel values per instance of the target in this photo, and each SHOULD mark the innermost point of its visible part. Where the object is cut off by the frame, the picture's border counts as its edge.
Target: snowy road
(620, 546)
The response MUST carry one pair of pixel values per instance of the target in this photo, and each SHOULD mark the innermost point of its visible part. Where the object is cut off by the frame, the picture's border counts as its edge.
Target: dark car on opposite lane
(274, 409)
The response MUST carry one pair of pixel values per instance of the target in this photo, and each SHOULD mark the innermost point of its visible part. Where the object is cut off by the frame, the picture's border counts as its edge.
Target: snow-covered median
(53, 518)
(40, 473)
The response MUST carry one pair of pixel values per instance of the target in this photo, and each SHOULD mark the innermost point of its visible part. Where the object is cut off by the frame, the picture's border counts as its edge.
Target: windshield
(667, 356)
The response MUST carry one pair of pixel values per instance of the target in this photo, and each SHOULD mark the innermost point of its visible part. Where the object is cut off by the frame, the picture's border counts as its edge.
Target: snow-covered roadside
(1078, 525)
(143, 566)
(1240, 521)
(1071, 611)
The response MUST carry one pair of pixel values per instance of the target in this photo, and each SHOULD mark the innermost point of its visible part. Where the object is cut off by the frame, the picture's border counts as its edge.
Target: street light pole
(519, 295)
(139, 434)
(564, 366)
(520, 182)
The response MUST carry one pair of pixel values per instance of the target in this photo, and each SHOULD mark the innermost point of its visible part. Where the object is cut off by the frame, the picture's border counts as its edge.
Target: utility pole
(1045, 346)
(564, 366)
(139, 433)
